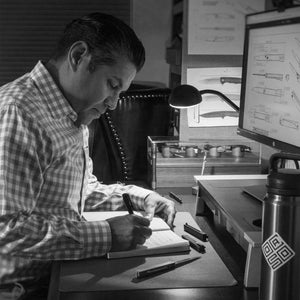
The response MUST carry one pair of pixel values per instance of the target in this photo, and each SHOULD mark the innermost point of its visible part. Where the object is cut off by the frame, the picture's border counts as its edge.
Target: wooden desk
(232, 256)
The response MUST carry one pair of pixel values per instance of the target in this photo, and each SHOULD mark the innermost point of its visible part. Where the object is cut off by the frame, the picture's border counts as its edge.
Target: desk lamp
(185, 95)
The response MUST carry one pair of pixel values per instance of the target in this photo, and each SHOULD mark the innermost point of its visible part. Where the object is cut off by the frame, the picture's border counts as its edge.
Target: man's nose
(112, 101)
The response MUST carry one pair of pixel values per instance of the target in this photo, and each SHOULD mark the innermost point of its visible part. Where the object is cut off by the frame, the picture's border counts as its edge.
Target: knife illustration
(220, 114)
(223, 80)
(270, 75)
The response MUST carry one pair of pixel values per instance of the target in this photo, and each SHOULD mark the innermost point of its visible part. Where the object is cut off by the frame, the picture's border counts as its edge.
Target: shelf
(226, 158)
(173, 171)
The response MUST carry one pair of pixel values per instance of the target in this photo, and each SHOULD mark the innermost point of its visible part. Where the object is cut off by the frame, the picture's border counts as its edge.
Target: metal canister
(280, 269)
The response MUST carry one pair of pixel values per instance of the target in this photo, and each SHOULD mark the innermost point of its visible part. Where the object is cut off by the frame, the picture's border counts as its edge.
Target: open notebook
(163, 240)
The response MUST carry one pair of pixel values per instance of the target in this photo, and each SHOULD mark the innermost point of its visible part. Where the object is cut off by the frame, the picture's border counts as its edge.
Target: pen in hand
(128, 203)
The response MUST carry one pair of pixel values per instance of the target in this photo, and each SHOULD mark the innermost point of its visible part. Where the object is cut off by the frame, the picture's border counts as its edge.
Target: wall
(29, 29)
(151, 21)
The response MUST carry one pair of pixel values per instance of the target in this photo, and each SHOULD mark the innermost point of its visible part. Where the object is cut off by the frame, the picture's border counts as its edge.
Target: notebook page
(156, 223)
(163, 239)
(160, 242)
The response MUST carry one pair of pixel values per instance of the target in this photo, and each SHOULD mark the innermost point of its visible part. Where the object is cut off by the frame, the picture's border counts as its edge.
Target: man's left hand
(163, 207)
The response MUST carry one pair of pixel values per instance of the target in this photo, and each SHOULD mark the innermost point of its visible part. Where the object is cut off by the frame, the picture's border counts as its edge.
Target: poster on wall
(216, 27)
(213, 111)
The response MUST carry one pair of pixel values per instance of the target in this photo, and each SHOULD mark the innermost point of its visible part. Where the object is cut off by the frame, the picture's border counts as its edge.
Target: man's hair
(107, 37)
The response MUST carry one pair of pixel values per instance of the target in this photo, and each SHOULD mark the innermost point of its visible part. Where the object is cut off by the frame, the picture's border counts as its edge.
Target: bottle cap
(283, 181)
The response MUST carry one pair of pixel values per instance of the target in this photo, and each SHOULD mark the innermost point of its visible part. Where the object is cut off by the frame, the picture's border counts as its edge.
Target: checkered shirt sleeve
(109, 197)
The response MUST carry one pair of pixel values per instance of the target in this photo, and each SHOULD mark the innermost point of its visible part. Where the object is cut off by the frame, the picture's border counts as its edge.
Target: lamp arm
(226, 99)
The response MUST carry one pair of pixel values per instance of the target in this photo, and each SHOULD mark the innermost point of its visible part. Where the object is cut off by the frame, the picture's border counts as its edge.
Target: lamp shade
(184, 96)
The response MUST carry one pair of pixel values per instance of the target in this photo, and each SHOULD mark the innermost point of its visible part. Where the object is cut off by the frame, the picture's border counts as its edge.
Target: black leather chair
(118, 139)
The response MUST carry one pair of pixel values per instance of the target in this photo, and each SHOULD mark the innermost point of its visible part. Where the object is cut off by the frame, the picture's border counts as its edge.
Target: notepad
(162, 241)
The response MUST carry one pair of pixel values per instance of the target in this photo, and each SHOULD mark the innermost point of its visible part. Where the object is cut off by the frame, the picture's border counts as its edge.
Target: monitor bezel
(269, 141)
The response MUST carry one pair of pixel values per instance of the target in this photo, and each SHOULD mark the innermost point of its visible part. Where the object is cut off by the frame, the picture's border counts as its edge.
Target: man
(46, 176)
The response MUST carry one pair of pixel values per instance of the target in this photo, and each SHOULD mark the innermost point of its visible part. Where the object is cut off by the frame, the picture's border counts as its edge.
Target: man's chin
(86, 119)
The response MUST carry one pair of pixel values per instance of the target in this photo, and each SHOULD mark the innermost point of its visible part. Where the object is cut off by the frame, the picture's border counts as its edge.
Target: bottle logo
(276, 251)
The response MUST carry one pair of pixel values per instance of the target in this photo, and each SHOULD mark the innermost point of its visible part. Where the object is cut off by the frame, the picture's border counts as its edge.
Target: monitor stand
(257, 192)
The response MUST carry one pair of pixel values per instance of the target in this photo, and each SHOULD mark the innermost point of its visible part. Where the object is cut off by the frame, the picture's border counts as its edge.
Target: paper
(162, 239)
(160, 242)
(213, 111)
(156, 223)
(217, 26)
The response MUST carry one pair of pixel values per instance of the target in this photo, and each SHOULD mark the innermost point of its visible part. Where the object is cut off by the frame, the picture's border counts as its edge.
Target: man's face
(97, 91)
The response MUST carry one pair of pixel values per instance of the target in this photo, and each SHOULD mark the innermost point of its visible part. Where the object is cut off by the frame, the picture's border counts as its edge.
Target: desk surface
(102, 275)
(236, 292)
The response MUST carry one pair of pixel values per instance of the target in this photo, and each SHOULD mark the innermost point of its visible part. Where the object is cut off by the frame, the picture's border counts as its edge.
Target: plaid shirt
(46, 180)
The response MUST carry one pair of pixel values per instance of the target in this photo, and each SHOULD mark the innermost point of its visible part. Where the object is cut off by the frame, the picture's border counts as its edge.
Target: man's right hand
(128, 231)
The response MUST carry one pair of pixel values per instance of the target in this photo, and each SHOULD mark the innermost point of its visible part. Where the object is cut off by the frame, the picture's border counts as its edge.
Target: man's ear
(78, 53)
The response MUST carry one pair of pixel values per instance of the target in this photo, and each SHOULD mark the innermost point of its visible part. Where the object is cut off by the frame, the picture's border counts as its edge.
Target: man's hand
(163, 207)
(128, 231)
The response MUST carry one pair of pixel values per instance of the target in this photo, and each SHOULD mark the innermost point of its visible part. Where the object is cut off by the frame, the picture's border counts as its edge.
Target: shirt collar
(57, 103)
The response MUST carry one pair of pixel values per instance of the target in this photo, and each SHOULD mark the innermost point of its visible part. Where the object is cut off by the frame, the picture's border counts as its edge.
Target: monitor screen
(270, 94)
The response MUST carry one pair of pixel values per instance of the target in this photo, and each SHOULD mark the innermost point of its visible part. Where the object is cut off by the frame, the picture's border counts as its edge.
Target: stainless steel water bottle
(280, 269)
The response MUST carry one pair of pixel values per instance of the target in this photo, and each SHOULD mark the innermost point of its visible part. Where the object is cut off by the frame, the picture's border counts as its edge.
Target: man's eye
(112, 85)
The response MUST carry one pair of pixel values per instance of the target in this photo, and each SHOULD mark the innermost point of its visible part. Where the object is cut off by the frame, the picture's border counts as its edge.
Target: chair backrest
(118, 139)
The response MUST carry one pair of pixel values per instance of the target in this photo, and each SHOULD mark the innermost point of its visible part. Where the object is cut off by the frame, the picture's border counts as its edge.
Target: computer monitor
(270, 93)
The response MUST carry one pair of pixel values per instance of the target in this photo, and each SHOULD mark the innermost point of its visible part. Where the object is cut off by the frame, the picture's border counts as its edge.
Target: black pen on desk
(175, 197)
(164, 267)
(128, 203)
(194, 244)
(195, 232)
